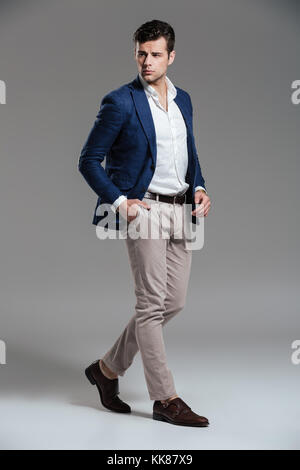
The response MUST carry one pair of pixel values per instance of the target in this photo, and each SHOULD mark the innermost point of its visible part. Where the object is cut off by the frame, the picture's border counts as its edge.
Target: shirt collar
(150, 91)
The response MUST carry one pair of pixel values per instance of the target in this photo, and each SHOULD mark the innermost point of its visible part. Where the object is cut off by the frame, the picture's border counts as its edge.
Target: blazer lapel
(182, 104)
(144, 112)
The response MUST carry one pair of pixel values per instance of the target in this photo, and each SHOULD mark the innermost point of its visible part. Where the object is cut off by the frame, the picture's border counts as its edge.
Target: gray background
(66, 295)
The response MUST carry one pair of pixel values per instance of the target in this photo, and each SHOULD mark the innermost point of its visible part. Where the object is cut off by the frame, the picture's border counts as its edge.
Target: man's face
(153, 56)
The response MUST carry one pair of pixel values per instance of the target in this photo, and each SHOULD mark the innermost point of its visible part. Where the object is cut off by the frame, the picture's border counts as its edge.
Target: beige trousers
(161, 269)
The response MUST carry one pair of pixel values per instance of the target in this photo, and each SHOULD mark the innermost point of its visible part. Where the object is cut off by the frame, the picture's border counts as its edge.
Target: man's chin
(148, 78)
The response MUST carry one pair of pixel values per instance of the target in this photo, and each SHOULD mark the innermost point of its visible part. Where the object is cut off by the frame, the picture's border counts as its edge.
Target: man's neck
(161, 87)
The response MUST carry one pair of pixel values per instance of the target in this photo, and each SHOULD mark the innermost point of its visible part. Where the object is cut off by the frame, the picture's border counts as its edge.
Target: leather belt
(177, 199)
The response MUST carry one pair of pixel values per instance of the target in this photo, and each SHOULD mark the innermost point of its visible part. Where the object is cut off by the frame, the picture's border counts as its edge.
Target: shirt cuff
(117, 202)
(200, 187)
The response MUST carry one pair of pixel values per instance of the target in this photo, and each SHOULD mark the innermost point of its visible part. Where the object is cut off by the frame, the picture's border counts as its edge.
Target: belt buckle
(176, 195)
(180, 196)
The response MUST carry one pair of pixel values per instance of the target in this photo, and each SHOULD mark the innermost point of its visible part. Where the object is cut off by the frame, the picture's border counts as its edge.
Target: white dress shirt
(171, 143)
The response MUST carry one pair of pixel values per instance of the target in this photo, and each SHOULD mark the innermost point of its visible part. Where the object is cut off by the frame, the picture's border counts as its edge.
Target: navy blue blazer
(124, 133)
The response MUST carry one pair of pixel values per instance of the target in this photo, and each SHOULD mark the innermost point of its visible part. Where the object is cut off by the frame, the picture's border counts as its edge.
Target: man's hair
(153, 30)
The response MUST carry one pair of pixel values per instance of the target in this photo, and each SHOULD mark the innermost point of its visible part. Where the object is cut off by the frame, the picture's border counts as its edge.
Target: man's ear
(172, 57)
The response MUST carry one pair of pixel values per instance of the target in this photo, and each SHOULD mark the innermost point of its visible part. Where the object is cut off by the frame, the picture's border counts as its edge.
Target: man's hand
(129, 210)
(200, 197)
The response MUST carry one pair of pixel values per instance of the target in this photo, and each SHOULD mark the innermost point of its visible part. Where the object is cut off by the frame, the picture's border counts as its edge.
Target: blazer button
(152, 167)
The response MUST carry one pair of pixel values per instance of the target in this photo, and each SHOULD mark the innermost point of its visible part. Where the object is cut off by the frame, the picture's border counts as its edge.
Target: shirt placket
(174, 140)
(172, 131)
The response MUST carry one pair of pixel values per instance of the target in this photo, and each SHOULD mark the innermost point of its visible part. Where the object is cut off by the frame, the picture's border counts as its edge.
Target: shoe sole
(91, 379)
(159, 417)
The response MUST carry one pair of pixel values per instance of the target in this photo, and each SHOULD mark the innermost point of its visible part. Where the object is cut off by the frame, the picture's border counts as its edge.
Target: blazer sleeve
(104, 132)
(199, 180)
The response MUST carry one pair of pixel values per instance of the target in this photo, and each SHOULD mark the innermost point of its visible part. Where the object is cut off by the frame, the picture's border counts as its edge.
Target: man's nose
(147, 60)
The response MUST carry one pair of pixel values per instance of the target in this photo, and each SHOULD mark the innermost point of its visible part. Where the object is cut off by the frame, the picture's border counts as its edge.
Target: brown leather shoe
(107, 388)
(176, 411)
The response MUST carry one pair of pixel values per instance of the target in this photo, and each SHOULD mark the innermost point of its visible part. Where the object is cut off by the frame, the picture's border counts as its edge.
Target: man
(144, 129)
